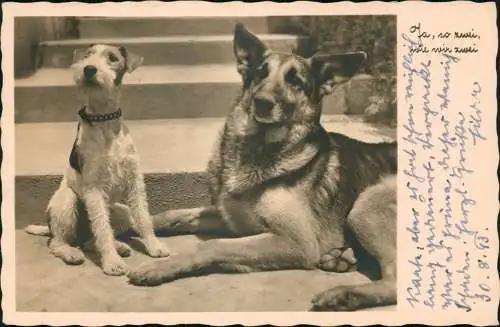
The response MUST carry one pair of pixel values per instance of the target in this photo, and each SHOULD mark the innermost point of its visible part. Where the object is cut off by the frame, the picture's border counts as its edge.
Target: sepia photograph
(205, 164)
(249, 163)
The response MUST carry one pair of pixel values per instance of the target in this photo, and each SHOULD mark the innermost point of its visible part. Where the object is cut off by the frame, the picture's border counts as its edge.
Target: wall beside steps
(30, 31)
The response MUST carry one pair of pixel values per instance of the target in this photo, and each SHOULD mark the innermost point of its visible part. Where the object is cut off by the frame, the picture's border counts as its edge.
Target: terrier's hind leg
(121, 219)
(63, 221)
(123, 249)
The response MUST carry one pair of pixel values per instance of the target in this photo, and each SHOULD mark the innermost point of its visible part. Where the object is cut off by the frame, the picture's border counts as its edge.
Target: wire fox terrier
(103, 169)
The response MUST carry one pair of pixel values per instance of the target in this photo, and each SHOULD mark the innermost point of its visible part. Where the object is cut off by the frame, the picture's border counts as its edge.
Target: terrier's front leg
(98, 212)
(136, 200)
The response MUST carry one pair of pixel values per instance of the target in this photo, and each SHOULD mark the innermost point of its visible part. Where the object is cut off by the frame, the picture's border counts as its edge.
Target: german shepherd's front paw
(338, 260)
(114, 265)
(146, 274)
(343, 298)
(162, 271)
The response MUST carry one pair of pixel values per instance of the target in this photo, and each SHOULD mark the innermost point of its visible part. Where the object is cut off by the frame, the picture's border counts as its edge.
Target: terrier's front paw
(338, 260)
(343, 298)
(71, 255)
(156, 249)
(114, 266)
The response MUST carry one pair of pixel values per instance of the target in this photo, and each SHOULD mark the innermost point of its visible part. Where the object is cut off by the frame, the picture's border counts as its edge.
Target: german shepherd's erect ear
(331, 69)
(248, 50)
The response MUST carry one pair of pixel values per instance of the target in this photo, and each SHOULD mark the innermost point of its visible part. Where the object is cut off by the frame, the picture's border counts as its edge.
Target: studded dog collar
(88, 118)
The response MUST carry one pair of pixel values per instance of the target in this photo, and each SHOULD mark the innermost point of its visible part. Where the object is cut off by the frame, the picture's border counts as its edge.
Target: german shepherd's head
(282, 92)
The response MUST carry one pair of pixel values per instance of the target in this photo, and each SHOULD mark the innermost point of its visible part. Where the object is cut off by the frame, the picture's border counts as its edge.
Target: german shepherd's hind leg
(373, 221)
(62, 215)
(350, 298)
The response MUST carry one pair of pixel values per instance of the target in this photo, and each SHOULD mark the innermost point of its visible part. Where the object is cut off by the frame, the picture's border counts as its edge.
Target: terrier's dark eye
(294, 80)
(112, 57)
(262, 71)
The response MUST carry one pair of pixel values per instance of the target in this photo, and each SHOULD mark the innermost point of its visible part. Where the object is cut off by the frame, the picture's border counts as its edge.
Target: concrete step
(173, 154)
(151, 92)
(166, 50)
(96, 27)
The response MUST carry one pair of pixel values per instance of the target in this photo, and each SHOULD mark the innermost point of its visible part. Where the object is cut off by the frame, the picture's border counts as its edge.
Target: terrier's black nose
(89, 71)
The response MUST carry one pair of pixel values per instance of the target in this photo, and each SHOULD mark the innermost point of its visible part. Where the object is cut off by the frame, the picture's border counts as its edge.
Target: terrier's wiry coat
(103, 169)
(285, 187)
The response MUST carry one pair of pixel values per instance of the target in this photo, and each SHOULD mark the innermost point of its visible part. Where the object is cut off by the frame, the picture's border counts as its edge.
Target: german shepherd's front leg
(202, 220)
(262, 252)
(194, 220)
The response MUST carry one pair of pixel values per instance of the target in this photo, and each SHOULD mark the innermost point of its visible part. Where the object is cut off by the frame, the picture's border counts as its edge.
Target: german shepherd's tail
(39, 230)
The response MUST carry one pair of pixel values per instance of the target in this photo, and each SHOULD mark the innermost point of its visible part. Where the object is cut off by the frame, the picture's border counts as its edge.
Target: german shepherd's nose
(263, 106)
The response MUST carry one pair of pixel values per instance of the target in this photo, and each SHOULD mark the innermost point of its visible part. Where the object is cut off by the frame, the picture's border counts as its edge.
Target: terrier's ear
(331, 69)
(132, 60)
(248, 50)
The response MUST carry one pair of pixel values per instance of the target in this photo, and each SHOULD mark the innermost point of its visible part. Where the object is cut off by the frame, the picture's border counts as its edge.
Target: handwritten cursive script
(438, 136)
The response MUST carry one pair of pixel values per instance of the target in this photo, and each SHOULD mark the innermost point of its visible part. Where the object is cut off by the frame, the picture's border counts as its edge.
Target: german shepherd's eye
(292, 79)
(262, 71)
(112, 57)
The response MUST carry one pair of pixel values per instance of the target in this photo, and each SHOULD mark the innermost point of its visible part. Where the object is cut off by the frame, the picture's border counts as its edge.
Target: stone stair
(174, 104)
(98, 27)
(188, 69)
(173, 152)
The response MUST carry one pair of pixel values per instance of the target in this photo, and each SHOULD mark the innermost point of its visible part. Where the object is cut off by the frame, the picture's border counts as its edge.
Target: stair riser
(116, 27)
(165, 191)
(151, 101)
(60, 55)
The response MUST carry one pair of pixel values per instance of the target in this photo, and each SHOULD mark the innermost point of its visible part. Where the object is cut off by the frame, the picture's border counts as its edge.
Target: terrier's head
(101, 67)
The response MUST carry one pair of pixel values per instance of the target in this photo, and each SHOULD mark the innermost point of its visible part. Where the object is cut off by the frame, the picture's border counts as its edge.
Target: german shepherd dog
(287, 189)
